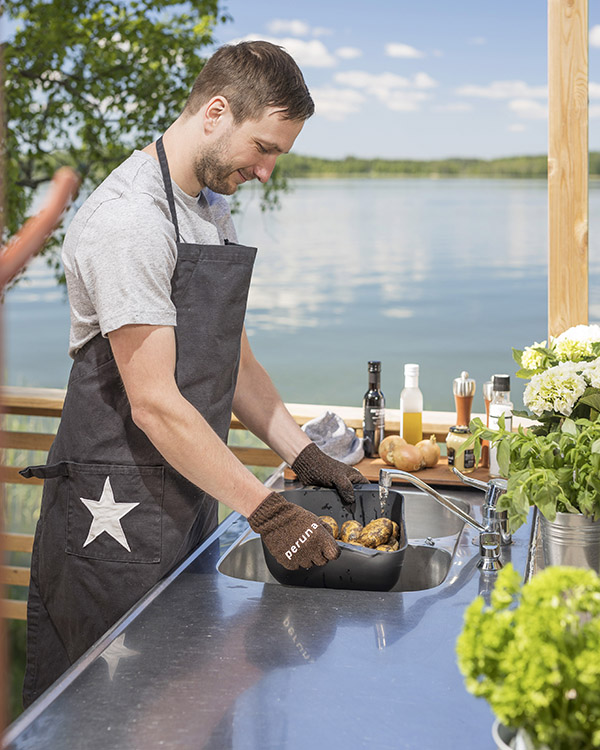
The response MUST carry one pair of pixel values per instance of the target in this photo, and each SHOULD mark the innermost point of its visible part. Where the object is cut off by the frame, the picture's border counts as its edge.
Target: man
(158, 287)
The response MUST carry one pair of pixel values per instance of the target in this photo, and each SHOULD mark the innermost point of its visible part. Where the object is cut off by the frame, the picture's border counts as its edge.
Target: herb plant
(558, 471)
(533, 655)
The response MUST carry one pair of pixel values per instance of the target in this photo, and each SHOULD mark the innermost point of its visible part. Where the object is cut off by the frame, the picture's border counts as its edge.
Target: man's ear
(215, 112)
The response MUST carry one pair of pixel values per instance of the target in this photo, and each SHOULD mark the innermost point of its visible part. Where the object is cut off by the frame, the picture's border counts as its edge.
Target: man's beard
(212, 171)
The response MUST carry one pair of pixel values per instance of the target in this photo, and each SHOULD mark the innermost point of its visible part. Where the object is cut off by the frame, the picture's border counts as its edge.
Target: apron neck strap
(164, 168)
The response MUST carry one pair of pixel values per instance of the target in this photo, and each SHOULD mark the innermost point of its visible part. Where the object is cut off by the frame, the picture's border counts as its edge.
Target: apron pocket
(113, 511)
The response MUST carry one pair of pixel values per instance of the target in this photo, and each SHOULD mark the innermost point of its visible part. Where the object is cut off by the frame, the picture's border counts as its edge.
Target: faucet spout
(385, 480)
(489, 536)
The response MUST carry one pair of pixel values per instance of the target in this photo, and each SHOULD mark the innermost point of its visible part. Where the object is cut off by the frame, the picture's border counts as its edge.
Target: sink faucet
(490, 537)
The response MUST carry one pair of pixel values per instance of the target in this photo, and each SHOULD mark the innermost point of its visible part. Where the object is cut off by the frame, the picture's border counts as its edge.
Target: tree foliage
(88, 81)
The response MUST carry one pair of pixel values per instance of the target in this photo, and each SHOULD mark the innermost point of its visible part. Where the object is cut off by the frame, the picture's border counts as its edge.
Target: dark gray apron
(115, 517)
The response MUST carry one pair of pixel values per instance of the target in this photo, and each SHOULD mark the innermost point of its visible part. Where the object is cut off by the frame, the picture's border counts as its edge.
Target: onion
(430, 450)
(408, 457)
(387, 445)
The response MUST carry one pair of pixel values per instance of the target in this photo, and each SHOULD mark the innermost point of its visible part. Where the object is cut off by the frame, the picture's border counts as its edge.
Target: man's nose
(263, 170)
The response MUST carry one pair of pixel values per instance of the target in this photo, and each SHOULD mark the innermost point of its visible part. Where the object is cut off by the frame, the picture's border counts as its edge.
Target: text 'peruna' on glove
(312, 466)
(293, 535)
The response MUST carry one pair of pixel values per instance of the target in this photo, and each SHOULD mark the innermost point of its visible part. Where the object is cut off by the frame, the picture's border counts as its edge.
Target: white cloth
(335, 438)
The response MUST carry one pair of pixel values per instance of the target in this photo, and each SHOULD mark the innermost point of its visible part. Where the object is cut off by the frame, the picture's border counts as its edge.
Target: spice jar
(464, 461)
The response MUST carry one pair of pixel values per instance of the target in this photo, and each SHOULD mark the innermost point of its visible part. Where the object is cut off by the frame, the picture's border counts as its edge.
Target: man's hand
(293, 535)
(312, 466)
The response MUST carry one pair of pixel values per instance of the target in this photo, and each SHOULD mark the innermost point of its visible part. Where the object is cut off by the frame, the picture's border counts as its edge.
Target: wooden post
(567, 164)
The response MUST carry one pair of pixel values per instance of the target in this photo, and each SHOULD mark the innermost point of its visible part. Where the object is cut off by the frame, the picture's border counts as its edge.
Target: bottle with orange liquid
(411, 406)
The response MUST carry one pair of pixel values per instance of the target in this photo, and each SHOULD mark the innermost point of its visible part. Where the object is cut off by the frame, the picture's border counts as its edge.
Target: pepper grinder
(485, 445)
(464, 390)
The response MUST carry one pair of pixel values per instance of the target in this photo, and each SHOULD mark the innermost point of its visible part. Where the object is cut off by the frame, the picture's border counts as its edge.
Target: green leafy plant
(533, 655)
(558, 471)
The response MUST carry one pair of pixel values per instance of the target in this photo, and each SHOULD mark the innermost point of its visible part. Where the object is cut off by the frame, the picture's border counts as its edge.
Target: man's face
(243, 152)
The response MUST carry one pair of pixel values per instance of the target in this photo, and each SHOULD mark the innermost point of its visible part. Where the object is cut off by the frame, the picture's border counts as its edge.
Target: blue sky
(427, 79)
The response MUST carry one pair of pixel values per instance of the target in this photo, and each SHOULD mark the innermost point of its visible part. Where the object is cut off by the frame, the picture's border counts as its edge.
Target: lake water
(449, 273)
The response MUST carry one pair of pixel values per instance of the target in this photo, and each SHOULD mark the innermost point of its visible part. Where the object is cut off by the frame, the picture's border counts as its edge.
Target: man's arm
(260, 409)
(145, 356)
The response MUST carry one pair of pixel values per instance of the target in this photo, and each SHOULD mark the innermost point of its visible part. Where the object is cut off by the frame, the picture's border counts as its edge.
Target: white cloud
(517, 127)
(396, 92)
(504, 90)
(405, 101)
(594, 112)
(348, 53)
(311, 54)
(452, 107)
(335, 104)
(424, 81)
(478, 41)
(293, 27)
(595, 36)
(396, 49)
(594, 89)
(362, 80)
(529, 109)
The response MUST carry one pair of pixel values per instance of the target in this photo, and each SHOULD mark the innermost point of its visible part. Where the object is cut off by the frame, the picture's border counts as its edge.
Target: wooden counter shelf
(439, 475)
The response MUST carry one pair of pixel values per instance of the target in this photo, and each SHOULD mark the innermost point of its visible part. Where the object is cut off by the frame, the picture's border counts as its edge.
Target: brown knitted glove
(294, 536)
(312, 466)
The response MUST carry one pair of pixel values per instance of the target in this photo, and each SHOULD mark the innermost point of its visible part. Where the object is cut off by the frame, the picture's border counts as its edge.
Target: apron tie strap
(164, 168)
(44, 471)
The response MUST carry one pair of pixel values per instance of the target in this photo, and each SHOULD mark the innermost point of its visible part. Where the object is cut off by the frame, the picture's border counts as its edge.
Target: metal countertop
(208, 661)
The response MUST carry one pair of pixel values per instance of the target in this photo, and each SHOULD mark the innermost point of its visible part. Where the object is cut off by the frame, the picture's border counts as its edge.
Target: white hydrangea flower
(532, 360)
(576, 342)
(556, 389)
(591, 372)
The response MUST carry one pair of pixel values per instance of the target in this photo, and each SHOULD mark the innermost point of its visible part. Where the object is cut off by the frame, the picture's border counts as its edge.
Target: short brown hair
(253, 76)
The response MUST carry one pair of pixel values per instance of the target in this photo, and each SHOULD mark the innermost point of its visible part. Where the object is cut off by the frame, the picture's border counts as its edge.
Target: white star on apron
(107, 516)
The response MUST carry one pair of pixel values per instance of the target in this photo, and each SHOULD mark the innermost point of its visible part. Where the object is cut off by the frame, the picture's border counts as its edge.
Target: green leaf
(517, 355)
(568, 426)
(595, 447)
(591, 398)
(503, 456)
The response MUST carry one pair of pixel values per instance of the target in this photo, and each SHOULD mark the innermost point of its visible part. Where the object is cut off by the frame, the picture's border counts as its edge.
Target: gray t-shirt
(119, 252)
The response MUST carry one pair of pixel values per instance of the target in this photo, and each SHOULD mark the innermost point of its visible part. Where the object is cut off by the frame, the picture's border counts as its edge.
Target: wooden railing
(48, 402)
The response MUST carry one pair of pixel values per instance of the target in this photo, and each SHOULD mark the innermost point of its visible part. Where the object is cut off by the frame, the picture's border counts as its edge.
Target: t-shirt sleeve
(126, 257)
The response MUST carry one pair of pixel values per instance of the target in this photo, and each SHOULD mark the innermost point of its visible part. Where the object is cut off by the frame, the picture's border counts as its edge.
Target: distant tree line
(294, 165)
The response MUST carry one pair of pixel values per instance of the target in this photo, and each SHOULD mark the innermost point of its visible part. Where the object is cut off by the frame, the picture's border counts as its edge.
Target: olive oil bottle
(411, 406)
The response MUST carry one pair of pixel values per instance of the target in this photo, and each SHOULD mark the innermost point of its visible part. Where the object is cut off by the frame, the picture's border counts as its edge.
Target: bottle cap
(463, 386)
(374, 366)
(501, 383)
(411, 371)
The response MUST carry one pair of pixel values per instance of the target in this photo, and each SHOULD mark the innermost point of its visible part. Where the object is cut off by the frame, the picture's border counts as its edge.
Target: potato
(350, 531)
(376, 532)
(331, 524)
(385, 548)
(387, 445)
(395, 530)
(394, 544)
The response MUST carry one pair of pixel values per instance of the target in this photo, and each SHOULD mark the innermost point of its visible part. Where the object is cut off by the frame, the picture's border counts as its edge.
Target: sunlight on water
(448, 273)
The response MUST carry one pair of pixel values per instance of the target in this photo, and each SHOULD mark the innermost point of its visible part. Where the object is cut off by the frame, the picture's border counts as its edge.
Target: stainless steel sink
(432, 532)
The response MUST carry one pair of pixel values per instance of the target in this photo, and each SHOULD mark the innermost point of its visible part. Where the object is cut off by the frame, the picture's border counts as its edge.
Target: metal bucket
(572, 539)
(511, 739)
